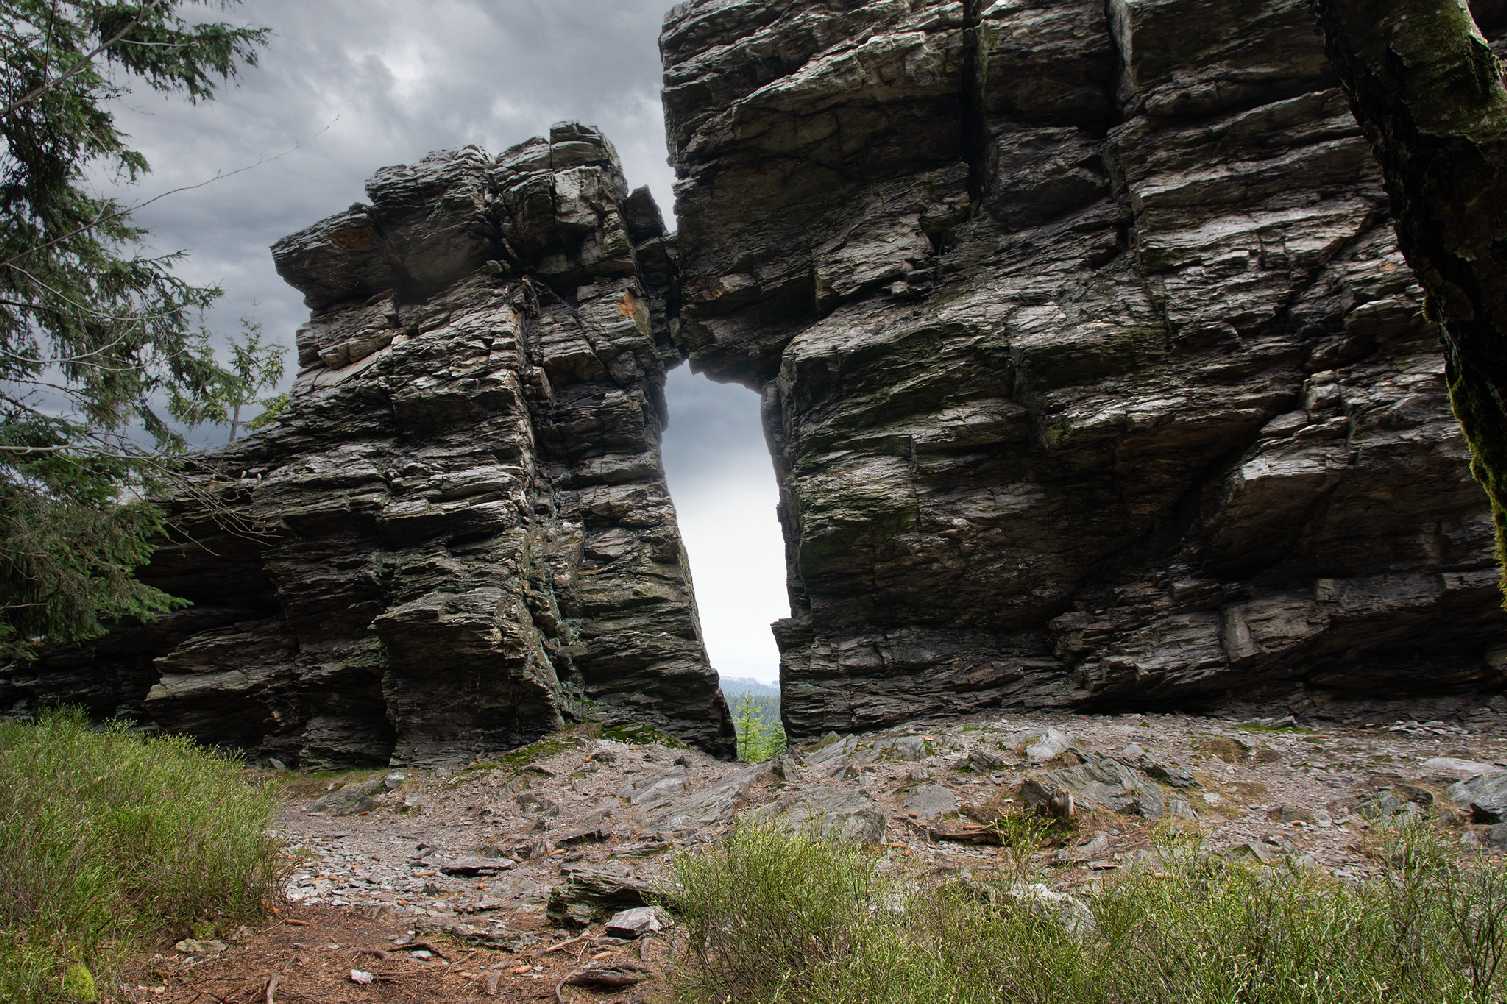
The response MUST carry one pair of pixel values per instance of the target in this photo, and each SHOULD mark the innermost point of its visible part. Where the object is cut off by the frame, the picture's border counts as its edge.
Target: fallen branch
(565, 944)
(272, 988)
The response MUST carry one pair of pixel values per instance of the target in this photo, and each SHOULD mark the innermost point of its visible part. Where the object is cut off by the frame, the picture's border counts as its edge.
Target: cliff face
(460, 536)
(1091, 370)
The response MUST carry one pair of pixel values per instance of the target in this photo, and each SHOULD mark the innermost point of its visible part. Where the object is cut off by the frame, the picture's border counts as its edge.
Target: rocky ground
(509, 879)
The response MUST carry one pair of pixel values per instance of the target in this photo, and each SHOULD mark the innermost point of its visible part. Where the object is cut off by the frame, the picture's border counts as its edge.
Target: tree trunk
(1429, 94)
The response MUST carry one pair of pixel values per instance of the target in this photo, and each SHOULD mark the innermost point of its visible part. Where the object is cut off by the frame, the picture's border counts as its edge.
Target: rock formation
(460, 536)
(1091, 370)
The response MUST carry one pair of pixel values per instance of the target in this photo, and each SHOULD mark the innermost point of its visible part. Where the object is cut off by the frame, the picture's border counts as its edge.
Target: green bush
(1193, 929)
(111, 838)
(765, 907)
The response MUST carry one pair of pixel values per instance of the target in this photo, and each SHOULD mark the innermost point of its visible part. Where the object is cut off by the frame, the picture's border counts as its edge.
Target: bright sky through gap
(347, 86)
(722, 481)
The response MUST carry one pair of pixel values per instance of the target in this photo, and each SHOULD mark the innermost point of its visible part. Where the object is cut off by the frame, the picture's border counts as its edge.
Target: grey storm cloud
(347, 86)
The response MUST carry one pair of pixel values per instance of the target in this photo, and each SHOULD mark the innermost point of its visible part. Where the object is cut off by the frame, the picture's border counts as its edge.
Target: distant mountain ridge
(735, 686)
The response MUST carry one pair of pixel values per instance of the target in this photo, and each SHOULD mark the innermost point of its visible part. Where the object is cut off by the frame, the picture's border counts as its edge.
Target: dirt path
(493, 883)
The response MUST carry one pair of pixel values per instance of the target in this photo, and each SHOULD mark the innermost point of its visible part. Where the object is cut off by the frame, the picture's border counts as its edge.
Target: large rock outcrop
(459, 537)
(1091, 370)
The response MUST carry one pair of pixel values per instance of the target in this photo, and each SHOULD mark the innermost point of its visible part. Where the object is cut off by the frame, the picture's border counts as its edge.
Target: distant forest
(763, 698)
(756, 716)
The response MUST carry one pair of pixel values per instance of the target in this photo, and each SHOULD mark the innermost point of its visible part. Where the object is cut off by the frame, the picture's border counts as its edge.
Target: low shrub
(766, 907)
(773, 916)
(111, 838)
(1024, 832)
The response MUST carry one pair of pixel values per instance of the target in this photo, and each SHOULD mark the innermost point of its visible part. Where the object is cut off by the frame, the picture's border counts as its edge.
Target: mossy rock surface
(518, 759)
(639, 734)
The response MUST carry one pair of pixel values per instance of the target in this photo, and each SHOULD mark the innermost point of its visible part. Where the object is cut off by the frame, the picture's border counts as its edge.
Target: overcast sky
(347, 86)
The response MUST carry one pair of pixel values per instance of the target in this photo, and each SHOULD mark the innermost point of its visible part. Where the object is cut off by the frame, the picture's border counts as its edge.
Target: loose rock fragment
(607, 977)
(637, 922)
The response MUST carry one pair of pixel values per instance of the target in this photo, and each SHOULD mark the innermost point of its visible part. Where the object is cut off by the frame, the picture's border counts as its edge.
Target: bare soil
(461, 863)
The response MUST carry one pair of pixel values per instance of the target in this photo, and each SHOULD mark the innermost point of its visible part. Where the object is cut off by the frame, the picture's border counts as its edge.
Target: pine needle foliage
(760, 734)
(104, 356)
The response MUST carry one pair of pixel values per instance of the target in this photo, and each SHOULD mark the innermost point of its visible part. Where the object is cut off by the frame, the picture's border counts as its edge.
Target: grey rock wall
(459, 538)
(1091, 370)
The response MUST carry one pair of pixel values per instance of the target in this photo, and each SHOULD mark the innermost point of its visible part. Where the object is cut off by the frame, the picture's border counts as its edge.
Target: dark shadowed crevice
(975, 139)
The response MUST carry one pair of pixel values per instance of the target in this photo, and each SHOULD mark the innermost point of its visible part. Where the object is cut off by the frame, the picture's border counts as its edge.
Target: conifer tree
(104, 357)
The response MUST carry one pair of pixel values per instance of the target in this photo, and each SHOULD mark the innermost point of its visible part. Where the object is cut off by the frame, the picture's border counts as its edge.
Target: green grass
(111, 839)
(774, 916)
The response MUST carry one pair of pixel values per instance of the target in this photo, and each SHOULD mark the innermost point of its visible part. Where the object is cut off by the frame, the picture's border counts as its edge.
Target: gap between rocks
(975, 134)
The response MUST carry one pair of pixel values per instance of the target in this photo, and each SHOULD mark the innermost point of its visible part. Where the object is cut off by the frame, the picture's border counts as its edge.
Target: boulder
(636, 922)
(609, 977)
(931, 801)
(844, 814)
(1096, 782)
(593, 892)
(1463, 770)
(1485, 796)
(1397, 804)
(1064, 908)
(356, 796)
(1047, 746)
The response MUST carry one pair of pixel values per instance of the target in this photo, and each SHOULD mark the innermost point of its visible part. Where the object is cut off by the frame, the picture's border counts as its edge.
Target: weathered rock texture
(1092, 374)
(460, 537)
(1091, 370)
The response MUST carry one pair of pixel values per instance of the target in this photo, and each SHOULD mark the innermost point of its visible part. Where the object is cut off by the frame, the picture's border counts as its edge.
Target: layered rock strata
(1091, 370)
(1091, 373)
(459, 538)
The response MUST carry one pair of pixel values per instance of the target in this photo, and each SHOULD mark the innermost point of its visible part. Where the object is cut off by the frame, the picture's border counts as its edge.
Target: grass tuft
(774, 916)
(112, 838)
